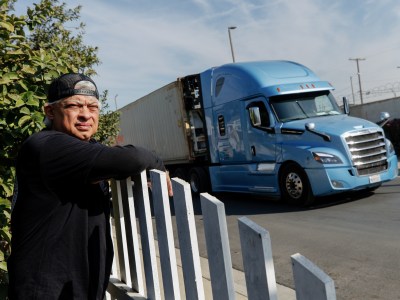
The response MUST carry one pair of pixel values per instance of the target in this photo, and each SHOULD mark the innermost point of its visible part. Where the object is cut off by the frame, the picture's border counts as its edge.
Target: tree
(34, 49)
(108, 123)
(50, 33)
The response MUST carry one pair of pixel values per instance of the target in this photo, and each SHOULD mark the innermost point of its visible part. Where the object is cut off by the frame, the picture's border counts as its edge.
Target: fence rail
(136, 268)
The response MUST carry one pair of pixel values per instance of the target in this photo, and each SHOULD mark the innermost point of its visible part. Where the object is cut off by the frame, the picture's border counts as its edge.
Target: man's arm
(122, 161)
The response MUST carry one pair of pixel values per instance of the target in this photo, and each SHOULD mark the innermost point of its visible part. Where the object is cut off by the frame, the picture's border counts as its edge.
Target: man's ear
(49, 111)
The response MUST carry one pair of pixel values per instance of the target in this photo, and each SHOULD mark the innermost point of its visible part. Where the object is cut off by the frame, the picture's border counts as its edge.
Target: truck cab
(274, 128)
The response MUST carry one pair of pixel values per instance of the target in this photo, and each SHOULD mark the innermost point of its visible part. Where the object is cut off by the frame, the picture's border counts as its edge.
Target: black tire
(198, 180)
(180, 173)
(294, 185)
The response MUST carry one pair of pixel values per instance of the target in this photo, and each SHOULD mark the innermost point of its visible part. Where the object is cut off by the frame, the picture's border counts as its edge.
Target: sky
(144, 45)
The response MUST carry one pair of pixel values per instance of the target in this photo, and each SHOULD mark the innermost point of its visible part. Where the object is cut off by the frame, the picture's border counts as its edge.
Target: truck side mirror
(255, 116)
(346, 106)
(310, 126)
(384, 118)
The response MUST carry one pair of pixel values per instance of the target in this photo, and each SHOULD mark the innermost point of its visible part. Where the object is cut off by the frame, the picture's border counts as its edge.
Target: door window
(258, 114)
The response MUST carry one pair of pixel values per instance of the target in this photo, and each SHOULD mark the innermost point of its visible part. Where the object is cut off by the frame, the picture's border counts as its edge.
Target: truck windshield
(301, 106)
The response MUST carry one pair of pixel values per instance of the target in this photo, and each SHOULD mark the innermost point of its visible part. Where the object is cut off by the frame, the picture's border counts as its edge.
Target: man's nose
(84, 111)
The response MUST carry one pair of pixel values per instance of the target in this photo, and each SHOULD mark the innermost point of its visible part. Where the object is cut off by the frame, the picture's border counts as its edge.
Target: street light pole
(115, 101)
(230, 40)
(359, 76)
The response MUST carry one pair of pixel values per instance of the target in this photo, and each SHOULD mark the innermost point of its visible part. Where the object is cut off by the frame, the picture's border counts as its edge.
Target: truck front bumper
(326, 181)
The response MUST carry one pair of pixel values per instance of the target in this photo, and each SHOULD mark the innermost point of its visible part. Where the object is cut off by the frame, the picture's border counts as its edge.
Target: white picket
(217, 242)
(166, 245)
(132, 263)
(133, 245)
(122, 250)
(311, 283)
(187, 235)
(257, 260)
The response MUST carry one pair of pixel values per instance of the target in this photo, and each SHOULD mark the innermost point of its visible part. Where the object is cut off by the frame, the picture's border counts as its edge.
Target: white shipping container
(159, 123)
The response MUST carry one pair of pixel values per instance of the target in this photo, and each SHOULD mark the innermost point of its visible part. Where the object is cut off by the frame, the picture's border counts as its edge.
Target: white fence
(136, 265)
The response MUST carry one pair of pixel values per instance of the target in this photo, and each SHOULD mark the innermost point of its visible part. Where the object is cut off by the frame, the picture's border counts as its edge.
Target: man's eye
(73, 106)
(93, 107)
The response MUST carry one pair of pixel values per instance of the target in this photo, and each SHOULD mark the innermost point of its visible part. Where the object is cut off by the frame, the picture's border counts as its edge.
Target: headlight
(389, 146)
(326, 158)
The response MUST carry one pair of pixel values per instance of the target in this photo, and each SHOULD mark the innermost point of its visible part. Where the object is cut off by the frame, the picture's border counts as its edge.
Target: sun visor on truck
(293, 88)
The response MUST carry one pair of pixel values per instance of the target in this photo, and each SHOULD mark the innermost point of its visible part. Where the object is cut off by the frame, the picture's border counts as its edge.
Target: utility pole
(352, 89)
(359, 76)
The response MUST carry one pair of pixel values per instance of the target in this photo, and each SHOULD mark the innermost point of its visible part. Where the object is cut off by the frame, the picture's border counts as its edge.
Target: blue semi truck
(267, 128)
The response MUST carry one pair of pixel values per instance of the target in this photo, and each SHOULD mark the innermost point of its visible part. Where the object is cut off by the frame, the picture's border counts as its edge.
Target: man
(61, 242)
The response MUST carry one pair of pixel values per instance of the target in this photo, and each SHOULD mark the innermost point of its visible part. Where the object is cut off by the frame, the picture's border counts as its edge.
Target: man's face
(77, 115)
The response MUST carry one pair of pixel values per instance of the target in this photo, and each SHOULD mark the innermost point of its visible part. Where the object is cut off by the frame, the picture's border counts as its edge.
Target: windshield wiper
(303, 111)
(295, 119)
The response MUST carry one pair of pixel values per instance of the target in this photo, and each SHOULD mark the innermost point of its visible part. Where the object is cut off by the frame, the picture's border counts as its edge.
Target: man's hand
(169, 184)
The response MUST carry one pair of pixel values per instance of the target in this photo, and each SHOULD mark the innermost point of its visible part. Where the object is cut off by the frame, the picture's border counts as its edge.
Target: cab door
(261, 146)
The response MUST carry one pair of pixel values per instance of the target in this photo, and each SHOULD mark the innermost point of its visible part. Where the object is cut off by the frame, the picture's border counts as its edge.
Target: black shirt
(61, 241)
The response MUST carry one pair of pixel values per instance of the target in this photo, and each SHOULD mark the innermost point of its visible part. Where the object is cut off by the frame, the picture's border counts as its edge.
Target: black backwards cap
(64, 86)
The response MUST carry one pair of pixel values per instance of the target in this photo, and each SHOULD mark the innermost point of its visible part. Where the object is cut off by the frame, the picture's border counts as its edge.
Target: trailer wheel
(180, 173)
(198, 179)
(294, 185)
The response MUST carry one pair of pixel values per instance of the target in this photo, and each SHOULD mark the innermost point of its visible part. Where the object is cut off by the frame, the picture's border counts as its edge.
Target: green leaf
(5, 202)
(8, 77)
(33, 102)
(14, 97)
(6, 188)
(22, 84)
(3, 266)
(6, 235)
(17, 37)
(19, 102)
(8, 26)
(38, 116)
(28, 69)
(8, 216)
(15, 52)
(25, 111)
(23, 120)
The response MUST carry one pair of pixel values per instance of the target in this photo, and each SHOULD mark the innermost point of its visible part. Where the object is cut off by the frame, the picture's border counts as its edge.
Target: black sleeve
(67, 159)
(123, 161)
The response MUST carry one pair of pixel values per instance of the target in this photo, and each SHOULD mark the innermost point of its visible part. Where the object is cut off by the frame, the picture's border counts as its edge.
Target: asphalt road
(355, 238)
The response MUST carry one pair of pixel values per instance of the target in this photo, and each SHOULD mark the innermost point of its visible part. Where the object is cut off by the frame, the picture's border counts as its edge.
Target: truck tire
(198, 180)
(294, 185)
(180, 173)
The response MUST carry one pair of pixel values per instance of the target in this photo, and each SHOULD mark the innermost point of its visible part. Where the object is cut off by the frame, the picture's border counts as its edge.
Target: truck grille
(368, 151)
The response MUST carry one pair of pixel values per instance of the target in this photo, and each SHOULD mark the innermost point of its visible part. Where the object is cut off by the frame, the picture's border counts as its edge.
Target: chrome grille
(368, 151)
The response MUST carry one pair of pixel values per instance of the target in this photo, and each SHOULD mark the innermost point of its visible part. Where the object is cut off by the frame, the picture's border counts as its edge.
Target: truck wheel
(198, 179)
(294, 185)
(180, 173)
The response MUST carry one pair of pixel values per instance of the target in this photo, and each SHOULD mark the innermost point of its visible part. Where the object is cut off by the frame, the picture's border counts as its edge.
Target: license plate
(374, 178)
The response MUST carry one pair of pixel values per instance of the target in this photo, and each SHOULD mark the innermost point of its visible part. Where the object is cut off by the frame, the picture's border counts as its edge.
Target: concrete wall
(371, 111)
